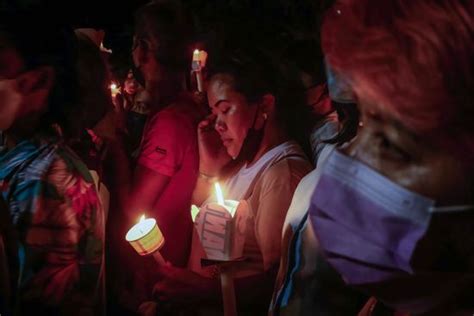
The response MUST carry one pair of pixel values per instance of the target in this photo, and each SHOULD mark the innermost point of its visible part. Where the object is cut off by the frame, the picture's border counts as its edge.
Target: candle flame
(196, 55)
(194, 212)
(219, 195)
(113, 86)
(142, 218)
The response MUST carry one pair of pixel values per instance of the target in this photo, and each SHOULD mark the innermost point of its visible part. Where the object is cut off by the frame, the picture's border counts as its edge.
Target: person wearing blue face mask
(393, 212)
(303, 274)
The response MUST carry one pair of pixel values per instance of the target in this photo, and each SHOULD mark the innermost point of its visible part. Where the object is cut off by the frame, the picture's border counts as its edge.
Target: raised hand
(212, 153)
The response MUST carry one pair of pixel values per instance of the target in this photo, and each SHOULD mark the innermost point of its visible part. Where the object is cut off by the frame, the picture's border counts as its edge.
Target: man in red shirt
(167, 165)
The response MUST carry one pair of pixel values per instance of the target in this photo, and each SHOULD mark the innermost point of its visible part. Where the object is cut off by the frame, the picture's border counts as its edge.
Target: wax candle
(219, 227)
(146, 238)
(199, 62)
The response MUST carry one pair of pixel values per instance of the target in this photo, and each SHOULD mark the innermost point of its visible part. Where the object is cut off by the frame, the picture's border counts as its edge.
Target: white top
(236, 187)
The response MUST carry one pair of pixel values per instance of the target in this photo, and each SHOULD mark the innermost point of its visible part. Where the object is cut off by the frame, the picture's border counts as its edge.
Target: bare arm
(148, 185)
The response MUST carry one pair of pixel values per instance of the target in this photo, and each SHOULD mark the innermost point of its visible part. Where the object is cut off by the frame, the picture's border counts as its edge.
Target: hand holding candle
(114, 89)
(146, 238)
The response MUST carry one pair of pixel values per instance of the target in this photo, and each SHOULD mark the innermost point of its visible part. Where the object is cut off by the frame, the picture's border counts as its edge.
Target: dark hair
(413, 58)
(42, 42)
(307, 57)
(348, 116)
(256, 73)
(94, 99)
(165, 25)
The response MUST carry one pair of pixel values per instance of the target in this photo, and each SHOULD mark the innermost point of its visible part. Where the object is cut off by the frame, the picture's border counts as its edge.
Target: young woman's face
(409, 159)
(234, 115)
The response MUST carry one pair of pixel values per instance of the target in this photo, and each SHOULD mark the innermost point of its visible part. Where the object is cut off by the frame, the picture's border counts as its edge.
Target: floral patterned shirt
(56, 212)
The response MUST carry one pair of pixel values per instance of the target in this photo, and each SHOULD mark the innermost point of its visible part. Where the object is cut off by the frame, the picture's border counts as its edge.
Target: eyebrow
(387, 115)
(220, 102)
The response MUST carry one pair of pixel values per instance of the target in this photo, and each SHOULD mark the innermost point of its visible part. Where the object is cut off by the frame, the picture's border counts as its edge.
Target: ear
(265, 110)
(36, 80)
(268, 105)
(141, 52)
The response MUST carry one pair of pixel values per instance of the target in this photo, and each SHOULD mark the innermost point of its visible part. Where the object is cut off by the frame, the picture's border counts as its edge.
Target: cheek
(436, 175)
(237, 124)
(9, 107)
(442, 178)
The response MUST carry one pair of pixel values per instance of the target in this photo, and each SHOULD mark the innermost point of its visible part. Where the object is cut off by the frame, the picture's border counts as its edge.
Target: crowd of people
(352, 157)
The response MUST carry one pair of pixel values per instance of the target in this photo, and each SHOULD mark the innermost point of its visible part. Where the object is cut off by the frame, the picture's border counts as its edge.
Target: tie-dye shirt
(55, 209)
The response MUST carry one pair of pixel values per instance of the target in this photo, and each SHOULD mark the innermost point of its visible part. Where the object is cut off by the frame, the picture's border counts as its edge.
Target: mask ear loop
(451, 209)
(265, 116)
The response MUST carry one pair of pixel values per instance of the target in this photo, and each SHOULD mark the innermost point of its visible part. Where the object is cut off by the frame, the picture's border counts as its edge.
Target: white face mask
(10, 101)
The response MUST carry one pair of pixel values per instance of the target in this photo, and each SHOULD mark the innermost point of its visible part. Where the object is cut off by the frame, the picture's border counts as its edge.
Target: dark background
(274, 24)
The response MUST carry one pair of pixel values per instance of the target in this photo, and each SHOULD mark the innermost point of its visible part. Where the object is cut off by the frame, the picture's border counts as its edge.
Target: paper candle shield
(222, 235)
(145, 237)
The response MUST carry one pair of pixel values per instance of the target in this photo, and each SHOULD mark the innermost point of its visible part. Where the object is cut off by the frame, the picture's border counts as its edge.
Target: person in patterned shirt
(50, 195)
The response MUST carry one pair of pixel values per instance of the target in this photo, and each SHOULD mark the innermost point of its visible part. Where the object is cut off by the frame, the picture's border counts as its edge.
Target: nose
(219, 125)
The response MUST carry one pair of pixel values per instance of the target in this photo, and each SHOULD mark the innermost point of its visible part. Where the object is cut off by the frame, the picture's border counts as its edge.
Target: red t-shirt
(169, 147)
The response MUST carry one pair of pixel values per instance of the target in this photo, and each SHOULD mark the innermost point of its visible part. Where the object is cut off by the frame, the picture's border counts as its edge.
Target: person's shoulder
(291, 165)
(186, 108)
(66, 166)
(182, 113)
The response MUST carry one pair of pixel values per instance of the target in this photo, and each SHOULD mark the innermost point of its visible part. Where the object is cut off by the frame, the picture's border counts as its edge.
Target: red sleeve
(165, 140)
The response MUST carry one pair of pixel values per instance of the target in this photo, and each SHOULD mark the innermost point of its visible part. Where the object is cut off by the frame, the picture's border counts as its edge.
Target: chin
(232, 153)
(230, 150)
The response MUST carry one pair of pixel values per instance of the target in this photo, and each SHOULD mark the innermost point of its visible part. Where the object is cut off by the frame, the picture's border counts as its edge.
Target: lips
(226, 141)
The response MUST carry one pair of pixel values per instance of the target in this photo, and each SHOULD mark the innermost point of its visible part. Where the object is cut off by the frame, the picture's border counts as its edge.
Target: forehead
(221, 87)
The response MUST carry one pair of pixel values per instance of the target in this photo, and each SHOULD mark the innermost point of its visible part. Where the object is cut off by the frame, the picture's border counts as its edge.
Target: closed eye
(226, 110)
(391, 150)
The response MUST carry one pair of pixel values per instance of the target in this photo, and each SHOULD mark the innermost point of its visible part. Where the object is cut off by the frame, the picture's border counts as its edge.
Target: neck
(162, 92)
(24, 128)
(272, 137)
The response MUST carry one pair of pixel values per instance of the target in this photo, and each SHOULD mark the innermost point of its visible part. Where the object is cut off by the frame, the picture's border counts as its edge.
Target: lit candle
(215, 224)
(221, 240)
(199, 62)
(114, 89)
(146, 238)
(196, 55)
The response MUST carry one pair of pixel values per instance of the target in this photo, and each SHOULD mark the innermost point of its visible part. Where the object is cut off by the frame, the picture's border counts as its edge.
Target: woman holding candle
(251, 123)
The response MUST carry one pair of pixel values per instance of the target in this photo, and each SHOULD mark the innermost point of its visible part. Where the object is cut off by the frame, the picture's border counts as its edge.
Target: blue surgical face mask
(338, 86)
(370, 228)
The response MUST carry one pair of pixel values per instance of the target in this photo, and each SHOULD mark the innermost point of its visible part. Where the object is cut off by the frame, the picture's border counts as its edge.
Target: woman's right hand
(212, 153)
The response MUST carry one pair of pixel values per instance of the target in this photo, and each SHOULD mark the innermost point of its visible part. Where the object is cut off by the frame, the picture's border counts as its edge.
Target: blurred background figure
(167, 161)
(137, 108)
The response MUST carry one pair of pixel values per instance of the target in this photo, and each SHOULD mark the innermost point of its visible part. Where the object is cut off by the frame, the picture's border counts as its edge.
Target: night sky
(267, 22)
